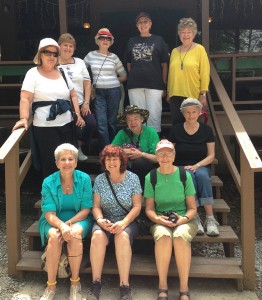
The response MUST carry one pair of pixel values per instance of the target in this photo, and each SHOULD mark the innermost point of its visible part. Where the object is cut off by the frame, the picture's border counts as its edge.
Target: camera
(171, 216)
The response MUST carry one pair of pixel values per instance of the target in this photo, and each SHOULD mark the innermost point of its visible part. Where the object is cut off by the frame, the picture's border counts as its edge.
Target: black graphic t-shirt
(146, 54)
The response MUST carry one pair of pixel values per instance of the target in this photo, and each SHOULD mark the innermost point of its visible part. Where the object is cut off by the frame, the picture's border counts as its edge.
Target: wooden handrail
(250, 162)
(14, 176)
(241, 134)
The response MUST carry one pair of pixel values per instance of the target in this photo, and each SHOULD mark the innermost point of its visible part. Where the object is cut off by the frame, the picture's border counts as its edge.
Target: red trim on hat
(105, 33)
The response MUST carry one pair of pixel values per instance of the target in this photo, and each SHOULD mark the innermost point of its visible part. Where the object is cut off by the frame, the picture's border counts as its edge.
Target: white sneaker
(81, 155)
(75, 292)
(200, 229)
(48, 295)
(211, 226)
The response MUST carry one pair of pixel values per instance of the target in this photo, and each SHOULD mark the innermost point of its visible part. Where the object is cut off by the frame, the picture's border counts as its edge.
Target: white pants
(151, 100)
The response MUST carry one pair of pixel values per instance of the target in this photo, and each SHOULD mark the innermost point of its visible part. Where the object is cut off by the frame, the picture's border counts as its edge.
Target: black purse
(143, 222)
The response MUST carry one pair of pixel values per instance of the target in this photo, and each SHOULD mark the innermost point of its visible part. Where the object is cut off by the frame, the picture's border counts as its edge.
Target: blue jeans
(203, 185)
(106, 109)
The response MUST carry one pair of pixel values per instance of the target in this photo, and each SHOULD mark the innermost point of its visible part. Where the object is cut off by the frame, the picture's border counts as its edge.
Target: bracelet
(69, 222)
(75, 280)
(202, 94)
(86, 102)
(185, 216)
(99, 218)
(61, 224)
(51, 283)
(23, 119)
(198, 165)
(142, 155)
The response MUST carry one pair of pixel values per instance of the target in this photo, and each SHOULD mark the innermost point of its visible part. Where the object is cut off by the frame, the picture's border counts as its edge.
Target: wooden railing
(244, 180)
(14, 176)
(241, 67)
(250, 163)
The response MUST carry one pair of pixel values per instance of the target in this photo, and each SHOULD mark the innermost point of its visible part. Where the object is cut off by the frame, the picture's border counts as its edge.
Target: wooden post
(62, 16)
(12, 190)
(247, 223)
(205, 24)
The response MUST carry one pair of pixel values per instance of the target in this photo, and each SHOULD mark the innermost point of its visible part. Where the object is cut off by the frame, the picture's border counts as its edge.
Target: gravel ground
(12, 289)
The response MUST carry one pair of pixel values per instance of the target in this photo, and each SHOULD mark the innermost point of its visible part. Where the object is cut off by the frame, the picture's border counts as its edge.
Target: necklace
(182, 60)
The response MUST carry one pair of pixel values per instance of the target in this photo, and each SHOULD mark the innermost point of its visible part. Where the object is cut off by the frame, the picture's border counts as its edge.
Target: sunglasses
(105, 38)
(162, 154)
(50, 53)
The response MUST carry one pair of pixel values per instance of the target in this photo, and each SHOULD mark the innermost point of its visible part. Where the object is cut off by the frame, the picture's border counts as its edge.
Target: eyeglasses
(64, 160)
(143, 22)
(105, 38)
(162, 154)
(50, 53)
(186, 32)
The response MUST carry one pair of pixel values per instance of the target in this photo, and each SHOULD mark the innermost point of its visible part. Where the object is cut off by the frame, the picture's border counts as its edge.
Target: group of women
(59, 89)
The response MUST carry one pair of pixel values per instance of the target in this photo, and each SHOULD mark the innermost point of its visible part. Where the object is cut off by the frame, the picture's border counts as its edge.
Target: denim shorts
(132, 231)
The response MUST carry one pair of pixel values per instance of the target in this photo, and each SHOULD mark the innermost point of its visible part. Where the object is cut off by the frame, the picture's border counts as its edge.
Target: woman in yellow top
(189, 70)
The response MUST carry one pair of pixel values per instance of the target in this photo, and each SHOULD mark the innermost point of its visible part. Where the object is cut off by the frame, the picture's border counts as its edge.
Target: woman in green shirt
(139, 141)
(171, 196)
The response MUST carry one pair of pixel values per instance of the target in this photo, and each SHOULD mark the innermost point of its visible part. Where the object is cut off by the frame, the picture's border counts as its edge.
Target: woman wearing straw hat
(139, 141)
(108, 72)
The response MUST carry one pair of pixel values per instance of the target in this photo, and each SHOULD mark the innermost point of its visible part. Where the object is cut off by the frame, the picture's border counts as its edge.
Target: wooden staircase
(144, 264)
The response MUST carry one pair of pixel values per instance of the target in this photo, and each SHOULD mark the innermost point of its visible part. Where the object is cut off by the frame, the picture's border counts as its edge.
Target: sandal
(162, 297)
(184, 294)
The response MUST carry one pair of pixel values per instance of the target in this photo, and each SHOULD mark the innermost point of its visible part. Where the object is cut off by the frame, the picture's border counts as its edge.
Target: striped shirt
(111, 69)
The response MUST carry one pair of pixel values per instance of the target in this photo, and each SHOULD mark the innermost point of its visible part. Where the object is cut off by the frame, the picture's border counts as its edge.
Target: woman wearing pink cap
(170, 204)
(49, 94)
(108, 72)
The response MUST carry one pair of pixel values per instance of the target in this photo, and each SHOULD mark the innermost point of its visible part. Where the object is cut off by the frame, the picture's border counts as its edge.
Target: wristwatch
(202, 93)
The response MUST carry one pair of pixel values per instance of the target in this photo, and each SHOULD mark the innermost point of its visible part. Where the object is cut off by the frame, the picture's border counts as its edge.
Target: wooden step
(201, 267)
(227, 236)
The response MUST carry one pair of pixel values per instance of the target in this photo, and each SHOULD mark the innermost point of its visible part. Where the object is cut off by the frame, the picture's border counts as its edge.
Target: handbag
(93, 91)
(93, 87)
(63, 266)
(142, 221)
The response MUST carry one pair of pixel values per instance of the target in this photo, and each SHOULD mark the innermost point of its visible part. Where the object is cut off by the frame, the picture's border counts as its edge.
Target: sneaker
(125, 292)
(48, 295)
(94, 292)
(211, 226)
(200, 229)
(81, 155)
(75, 292)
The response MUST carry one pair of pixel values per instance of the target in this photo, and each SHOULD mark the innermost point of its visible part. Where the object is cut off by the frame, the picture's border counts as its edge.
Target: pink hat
(164, 144)
(104, 32)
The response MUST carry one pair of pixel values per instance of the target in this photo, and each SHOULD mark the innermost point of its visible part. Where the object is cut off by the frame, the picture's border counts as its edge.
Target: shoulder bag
(143, 222)
(93, 87)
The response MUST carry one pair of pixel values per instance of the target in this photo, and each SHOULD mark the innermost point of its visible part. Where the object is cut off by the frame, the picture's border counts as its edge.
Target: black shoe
(125, 292)
(161, 291)
(95, 290)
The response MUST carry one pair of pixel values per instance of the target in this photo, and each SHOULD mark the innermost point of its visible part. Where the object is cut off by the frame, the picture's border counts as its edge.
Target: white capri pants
(151, 100)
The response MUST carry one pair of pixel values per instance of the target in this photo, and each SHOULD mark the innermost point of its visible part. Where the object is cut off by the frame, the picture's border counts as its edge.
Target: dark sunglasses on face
(50, 53)
(104, 38)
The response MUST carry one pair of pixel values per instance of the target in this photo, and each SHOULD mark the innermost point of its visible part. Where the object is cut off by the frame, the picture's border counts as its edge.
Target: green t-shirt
(169, 192)
(147, 142)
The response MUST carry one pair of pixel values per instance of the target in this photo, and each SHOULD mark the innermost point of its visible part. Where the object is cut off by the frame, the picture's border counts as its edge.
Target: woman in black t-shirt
(147, 62)
(195, 150)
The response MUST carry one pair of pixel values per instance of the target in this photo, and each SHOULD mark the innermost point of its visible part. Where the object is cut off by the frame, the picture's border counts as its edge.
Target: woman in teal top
(171, 196)
(139, 141)
(66, 203)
